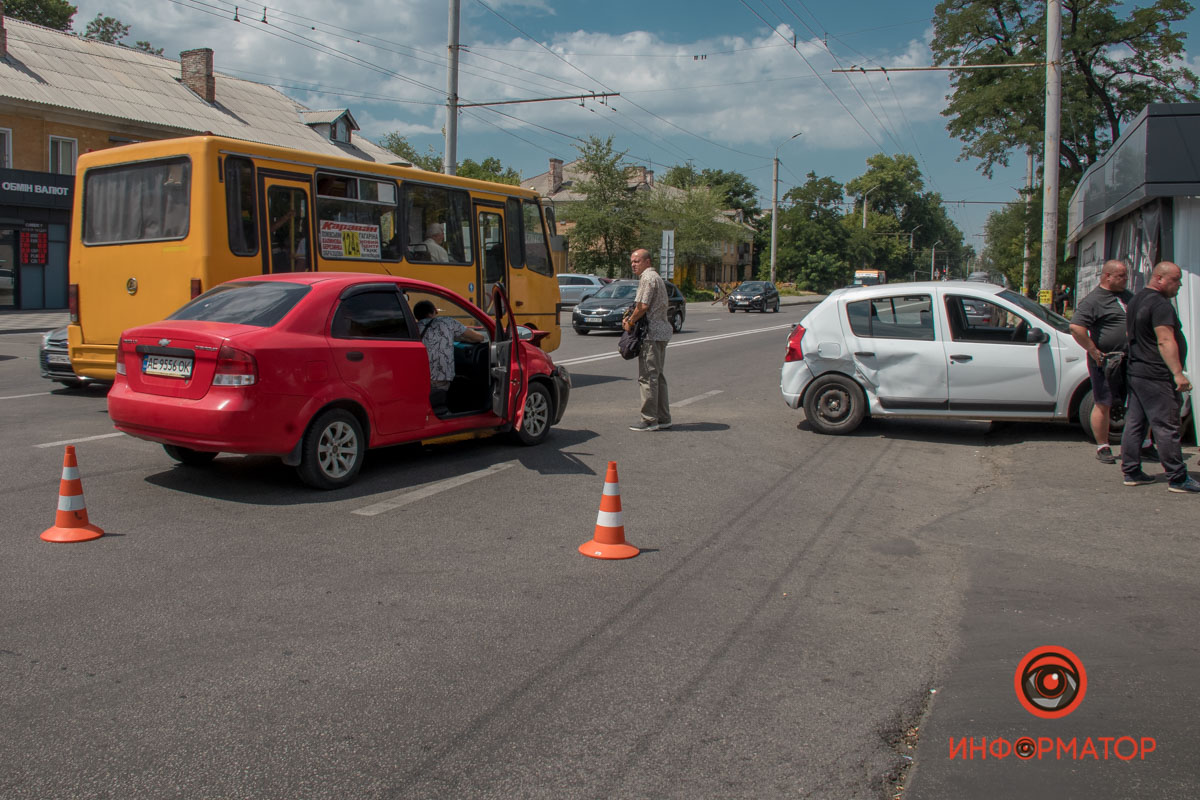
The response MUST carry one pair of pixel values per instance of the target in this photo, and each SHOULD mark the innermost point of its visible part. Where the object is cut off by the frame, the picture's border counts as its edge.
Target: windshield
(246, 303)
(1045, 315)
(751, 286)
(618, 291)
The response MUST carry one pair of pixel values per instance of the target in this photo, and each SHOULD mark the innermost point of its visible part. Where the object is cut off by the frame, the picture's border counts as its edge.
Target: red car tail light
(235, 368)
(73, 302)
(794, 353)
(120, 356)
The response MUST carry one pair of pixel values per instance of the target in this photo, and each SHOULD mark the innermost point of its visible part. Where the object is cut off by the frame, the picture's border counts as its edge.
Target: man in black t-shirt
(1157, 351)
(1099, 326)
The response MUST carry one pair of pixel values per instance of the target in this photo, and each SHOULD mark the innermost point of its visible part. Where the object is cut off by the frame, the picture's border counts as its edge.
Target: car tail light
(235, 368)
(73, 302)
(794, 353)
(120, 357)
(196, 290)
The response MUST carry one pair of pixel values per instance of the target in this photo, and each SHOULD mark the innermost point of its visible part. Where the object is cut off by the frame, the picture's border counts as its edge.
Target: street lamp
(864, 199)
(775, 201)
(932, 254)
(910, 237)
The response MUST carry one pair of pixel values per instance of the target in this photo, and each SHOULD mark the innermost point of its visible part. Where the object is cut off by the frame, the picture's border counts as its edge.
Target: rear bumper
(89, 360)
(226, 421)
(794, 379)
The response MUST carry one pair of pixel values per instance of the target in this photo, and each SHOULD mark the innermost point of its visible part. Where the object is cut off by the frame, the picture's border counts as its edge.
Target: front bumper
(610, 321)
(747, 303)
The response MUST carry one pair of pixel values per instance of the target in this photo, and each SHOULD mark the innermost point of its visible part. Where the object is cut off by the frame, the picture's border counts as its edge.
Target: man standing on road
(1099, 327)
(651, 303)
(1157, 350)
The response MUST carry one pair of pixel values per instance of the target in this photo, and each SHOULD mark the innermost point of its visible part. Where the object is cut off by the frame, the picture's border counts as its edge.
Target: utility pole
(1050, 148)
(450, 162)
(775, 201)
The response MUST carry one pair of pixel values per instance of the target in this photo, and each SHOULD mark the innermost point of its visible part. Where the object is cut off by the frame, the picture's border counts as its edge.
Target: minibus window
(537, 254)
(356, 218)
(148, 201)
(239, 206)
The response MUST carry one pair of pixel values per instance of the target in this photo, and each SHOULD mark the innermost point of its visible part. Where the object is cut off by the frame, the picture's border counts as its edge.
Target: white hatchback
(958, 349)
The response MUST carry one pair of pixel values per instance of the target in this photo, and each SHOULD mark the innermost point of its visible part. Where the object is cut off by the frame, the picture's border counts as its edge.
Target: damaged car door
(897, 351)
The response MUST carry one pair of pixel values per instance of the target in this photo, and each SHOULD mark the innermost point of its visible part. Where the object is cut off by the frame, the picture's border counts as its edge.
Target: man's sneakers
(1105, 455)
(644, 426)
(1139, 478)
(662, 426)
(1188, 485)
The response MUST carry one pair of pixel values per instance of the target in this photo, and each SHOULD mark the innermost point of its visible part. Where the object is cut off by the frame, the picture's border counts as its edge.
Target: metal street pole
(450, 161)
(865, 194)
(910, 237)
(1028, 201)
(775, 202)
(1051, 147)
(932, 255)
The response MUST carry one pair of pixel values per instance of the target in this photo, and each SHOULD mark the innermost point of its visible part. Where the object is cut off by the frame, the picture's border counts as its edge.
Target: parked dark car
(603, 310)
(56, 361)
(754, 296)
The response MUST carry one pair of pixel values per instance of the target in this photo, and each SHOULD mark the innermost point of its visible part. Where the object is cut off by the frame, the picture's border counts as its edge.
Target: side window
(287, 214)
(239, 206)
(356, 218)
(371, 315)
(537, 251)
(975, 320)
(898, 317)
(445, 307)
(512, 232)
(438, 225)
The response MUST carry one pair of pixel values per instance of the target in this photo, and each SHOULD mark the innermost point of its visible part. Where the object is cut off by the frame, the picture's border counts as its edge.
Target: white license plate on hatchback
(167, 366)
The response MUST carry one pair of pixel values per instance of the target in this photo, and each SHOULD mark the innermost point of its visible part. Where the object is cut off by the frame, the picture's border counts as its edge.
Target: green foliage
(695, 216)
(55, 14)
(106, 29)
(822, 272)
(1005, 235)
(607, 220)
(400, 145)
(147, 47)
(1114, 63)
(734, 189)
(490, 169)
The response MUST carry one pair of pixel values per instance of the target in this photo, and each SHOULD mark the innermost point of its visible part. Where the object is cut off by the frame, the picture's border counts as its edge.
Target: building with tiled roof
(62, 95)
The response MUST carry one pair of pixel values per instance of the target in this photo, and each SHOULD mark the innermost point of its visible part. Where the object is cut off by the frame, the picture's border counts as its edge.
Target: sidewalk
(35, 321)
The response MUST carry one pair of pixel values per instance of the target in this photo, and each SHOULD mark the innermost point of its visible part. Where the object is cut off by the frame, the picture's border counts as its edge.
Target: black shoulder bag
(630, 344)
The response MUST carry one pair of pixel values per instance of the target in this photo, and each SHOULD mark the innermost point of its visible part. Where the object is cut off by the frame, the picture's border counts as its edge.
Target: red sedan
(315, 368)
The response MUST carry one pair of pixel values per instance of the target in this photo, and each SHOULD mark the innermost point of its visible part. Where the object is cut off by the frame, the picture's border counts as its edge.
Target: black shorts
(1102, 393)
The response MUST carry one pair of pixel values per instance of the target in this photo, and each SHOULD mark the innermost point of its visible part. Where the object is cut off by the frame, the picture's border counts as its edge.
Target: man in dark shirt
(1099, 326)
(1157, 351)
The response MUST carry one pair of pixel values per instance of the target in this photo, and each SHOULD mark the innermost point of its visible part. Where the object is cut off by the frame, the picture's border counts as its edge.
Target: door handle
(354, 355)
(865, 355)
(961, 358)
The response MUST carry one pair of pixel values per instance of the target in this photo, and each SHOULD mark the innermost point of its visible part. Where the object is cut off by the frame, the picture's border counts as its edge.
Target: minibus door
(492, 266)
(288, 231)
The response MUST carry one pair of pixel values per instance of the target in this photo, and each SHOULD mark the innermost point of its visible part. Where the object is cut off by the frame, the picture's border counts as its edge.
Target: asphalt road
(801, 603)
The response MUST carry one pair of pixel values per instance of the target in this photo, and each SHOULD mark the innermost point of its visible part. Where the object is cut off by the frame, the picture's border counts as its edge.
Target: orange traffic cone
(71, 521)
(609, 539)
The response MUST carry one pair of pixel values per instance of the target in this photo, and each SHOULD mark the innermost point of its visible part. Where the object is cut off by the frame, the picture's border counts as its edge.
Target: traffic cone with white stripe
(71, 521)
(609, 539)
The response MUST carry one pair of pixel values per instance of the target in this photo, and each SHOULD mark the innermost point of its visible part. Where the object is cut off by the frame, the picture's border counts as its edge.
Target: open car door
(508, 373)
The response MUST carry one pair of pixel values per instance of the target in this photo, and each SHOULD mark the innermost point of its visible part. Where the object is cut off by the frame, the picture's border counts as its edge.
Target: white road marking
(19, 396)
(84, 439)
(428, 490)
(696, 399)
(702, 339)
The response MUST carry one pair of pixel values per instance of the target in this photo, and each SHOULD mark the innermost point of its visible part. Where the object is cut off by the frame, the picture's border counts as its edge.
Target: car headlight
(758, 297)
(46, 339)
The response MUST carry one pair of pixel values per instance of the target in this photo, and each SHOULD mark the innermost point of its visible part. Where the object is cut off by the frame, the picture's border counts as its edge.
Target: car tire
(189, 457)
(333, 450)
(732, 309)
(676, 321)
(834, 404)
(538, 416)
(581, 331)
(1116, 423)
(775, 310)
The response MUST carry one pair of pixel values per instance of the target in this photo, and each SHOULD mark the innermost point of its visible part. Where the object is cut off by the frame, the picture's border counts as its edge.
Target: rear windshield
(245, 303)
(137, 202)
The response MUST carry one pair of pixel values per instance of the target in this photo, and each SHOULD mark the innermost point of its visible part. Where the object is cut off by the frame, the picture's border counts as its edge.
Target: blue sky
(730, 109)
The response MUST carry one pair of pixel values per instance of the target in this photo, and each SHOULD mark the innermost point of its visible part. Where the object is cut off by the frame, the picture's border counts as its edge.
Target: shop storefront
(35, 219)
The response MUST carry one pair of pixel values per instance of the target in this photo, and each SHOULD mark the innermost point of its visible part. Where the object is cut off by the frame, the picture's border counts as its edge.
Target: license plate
(58, 358)
(167, 366)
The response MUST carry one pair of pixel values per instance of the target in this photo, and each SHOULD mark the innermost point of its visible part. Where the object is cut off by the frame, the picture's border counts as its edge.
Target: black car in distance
(604, 310)
(754, 296)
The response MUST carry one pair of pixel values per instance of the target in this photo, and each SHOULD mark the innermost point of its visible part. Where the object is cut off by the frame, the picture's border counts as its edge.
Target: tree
(402, 147)
(112, 30)
(490, 169)
(735, 189)
(55, 14)
(606, 221)
(700, 228)
(1114, 63)
(811, 240)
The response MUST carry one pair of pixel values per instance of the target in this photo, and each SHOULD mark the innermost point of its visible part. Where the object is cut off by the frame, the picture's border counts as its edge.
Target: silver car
(55, 361)
(572, 287)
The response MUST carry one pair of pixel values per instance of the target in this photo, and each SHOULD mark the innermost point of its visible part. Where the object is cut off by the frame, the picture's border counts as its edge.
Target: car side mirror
(1036, 336)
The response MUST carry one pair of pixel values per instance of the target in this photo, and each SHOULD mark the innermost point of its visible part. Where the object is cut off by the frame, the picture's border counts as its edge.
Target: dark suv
(603, 310)
(754, 295)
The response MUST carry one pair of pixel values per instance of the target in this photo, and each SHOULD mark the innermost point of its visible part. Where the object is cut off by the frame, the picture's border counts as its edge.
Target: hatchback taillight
(794, 353)
(235, 368)
(120, 357)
